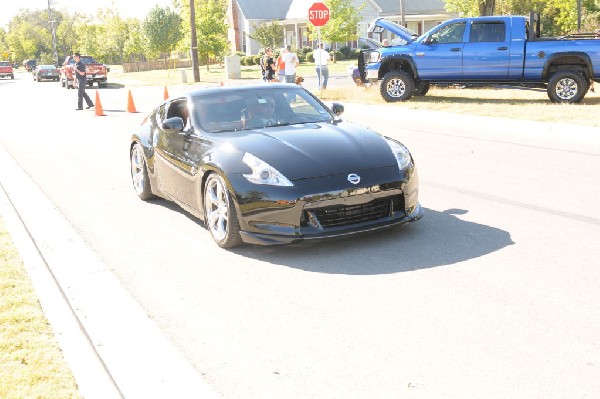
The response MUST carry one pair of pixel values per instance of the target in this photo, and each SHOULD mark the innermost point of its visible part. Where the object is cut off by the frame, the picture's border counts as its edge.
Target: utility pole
(53, 29)
(578, 16)
(403, 12)
(195, 66)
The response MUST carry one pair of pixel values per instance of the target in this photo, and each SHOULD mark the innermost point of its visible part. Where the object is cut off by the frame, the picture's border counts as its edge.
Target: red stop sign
(318, 14)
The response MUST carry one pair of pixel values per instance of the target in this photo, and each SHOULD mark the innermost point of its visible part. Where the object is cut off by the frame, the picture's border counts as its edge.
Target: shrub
(338, 55)
(347, 51)
(309, 57)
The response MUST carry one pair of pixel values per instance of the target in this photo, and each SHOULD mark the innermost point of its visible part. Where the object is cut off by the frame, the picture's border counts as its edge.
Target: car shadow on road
(439, 239)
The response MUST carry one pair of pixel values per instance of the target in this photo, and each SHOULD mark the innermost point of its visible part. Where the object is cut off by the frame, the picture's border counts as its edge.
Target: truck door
(486, 54)
(440, 55)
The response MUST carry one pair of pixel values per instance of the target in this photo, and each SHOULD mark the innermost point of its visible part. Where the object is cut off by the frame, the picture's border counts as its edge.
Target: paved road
(493, 294)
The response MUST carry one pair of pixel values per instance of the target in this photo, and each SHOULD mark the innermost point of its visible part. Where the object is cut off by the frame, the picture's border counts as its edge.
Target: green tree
(112, 47)
(211, 29)
(343, 23)
(268, 34)
(134, 47)
(162, 27)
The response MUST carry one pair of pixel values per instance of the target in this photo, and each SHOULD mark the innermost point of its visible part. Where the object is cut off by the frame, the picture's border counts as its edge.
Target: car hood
(317, 149)
(384, 24)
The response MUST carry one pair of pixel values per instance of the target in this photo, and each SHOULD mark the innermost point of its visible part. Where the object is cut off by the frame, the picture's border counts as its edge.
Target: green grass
(31, 363)
(525, 104)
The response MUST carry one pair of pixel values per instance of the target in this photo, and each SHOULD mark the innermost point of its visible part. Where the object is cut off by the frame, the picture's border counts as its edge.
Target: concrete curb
(112, 347)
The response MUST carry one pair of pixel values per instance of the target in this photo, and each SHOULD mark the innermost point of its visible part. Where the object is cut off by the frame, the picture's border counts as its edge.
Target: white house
(245, 15)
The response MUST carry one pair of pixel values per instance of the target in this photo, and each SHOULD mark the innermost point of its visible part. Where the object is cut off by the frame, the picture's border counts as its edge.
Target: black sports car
(270, 164)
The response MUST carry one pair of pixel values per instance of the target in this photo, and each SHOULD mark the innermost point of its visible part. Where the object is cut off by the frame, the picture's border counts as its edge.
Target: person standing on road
(281, 66)
(271, 67)
(291, 62)
(321, 59)
(81, 82)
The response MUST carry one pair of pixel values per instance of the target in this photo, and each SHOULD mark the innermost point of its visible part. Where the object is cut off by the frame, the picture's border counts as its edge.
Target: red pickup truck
(95, 72)
(6, 70)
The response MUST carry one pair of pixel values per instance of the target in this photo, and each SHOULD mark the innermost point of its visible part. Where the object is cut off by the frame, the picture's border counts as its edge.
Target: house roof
(264, 9)
(412, 7)
(298, 9)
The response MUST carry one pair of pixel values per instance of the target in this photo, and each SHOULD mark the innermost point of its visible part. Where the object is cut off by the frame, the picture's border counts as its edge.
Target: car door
(486, 55)
(439, 56)
(177, 155)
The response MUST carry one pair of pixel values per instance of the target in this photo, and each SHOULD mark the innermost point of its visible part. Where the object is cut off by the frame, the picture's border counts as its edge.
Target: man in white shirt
(321, 59)
(291, 62)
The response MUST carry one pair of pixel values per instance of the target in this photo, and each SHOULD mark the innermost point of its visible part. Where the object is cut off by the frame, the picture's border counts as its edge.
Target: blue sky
(127, 8)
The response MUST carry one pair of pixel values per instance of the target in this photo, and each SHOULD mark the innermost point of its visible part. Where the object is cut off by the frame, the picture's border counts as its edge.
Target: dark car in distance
(45, 72)
(271, 164)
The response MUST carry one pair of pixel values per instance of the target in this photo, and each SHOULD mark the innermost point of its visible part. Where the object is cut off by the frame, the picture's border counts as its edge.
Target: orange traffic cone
(166, 93)
(130, 104)
(98, 105)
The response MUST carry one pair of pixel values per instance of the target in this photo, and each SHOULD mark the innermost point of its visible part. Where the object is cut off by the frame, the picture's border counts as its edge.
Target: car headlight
(400, 152)
(263, 173)
(374, 56)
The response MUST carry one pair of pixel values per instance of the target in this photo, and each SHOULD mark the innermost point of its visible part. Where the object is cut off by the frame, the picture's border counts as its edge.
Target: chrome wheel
(220, 214)
(217, 209)
(396, 88)
(139, 174)
(566, 89)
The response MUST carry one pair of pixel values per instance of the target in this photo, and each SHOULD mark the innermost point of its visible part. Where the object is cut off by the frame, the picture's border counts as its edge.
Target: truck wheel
(567, 87)
(421, 88)
(397, 86)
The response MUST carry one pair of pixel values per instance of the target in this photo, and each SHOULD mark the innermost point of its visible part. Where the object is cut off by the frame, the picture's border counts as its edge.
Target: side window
(487, 32)
(452, 33)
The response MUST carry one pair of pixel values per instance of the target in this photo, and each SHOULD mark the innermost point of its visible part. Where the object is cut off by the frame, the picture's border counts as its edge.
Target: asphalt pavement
(114, 349)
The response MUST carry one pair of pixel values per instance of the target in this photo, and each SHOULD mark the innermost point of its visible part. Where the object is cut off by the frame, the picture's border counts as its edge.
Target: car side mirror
(428, 40)
(174, 124)
(337, 109)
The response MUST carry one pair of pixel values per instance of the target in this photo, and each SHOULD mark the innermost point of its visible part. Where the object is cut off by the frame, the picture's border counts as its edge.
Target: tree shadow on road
(439, 239)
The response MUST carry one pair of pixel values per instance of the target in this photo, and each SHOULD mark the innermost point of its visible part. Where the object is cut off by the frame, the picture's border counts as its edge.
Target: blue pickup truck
(502, 50)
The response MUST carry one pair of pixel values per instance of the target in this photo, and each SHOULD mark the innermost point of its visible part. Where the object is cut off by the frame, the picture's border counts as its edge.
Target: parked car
(29, 65)
(497, 50)
(6, 70)
(46, 72)
(270, 164)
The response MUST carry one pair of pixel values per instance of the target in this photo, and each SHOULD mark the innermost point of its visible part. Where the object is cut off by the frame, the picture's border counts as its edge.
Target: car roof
(242, 88)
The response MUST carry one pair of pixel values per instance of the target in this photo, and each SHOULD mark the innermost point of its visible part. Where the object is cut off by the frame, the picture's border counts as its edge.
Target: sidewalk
(110, 344)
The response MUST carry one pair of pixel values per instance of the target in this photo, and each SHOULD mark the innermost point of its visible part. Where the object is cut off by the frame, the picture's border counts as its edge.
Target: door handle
(502, 48)
(455, 49)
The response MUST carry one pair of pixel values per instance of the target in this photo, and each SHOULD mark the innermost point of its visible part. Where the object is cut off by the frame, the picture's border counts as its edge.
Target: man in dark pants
(81, 82)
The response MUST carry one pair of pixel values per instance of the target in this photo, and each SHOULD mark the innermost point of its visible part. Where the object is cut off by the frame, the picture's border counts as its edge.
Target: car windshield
(257, 109)
(4, 63)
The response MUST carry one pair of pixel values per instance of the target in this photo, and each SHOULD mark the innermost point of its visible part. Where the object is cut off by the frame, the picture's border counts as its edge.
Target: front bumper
(326, 207)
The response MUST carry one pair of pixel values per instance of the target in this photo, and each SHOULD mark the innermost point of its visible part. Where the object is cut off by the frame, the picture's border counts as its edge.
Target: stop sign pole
(318, 15)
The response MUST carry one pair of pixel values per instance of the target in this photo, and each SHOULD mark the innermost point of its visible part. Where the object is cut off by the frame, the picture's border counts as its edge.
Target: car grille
(344, 215)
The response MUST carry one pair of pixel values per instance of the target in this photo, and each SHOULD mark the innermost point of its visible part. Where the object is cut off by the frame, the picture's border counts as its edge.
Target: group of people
(283, 69)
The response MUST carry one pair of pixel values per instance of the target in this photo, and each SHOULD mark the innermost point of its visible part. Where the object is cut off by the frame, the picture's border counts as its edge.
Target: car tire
(12, 76)
(220, 215)
(421, 88)
(139, 174)
(397, 86)
(567, 86)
